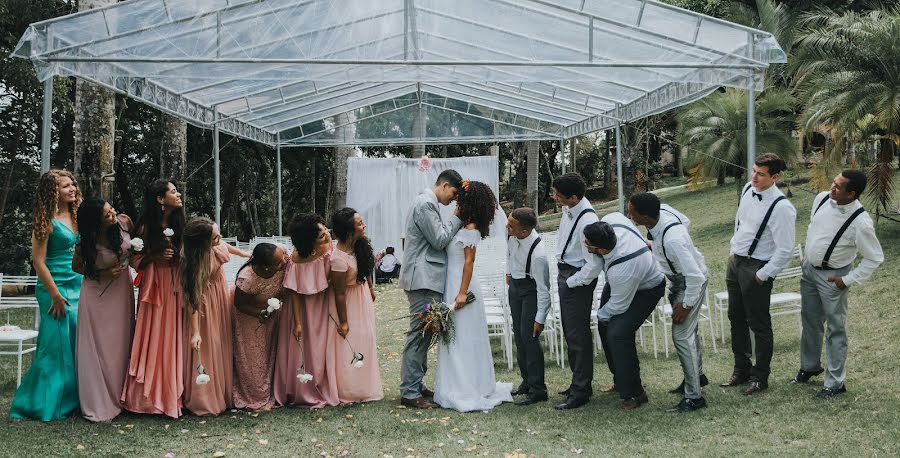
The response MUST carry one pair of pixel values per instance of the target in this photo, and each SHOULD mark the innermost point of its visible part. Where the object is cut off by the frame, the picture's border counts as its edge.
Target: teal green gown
(49, 390)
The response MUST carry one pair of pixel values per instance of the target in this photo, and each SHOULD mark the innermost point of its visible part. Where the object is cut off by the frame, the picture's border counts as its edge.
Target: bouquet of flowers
(137, 246)
(302, 375)
(272, 306)
(438, 322)
(202, 376)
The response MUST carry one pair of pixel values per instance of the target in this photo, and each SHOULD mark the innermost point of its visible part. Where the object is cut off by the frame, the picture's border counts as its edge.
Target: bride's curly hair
(47, 199)
(477, 205)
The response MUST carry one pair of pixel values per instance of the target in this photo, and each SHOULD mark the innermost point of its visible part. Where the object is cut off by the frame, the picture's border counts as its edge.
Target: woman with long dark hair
(465, 367)
(106, 312)
(49, 390)
(155, 380)
(306, 334)
(352, 264)
(255, 325)
(208, 302)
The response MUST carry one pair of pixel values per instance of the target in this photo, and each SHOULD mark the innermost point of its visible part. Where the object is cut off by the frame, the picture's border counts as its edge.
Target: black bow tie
(757, 195)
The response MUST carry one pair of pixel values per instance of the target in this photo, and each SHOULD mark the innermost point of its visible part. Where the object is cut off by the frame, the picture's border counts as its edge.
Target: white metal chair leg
(19, 368)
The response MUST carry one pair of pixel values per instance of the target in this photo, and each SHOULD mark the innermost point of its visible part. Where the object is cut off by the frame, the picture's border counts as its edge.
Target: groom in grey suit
(422, 275)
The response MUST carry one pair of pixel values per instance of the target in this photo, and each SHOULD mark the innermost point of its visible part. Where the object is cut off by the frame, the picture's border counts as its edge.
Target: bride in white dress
(465, 368)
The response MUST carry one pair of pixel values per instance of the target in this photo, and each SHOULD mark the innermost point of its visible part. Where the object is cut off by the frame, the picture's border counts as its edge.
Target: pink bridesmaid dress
(307, 283)
(215, 350)
(357, 384)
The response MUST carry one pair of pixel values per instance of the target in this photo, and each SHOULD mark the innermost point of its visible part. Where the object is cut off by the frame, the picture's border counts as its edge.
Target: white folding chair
(13, 339)
(665, 315)
(780, 304)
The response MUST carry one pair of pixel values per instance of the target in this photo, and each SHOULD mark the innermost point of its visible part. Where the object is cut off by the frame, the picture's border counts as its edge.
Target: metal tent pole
(216, 173)
(751, 124)
(619, 168)
(562, 152)
(278, 177)
(46, 125)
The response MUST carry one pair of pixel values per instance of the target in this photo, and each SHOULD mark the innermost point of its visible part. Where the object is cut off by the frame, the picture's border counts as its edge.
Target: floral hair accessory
(466, 185)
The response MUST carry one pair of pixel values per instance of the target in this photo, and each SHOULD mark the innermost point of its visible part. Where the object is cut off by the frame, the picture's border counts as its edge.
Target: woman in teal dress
(49, 390)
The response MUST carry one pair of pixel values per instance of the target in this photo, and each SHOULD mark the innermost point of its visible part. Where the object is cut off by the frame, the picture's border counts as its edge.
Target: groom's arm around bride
(422, 275)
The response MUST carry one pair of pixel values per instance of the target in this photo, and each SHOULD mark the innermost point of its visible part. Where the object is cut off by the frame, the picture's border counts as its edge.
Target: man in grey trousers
(684, 266)
(422, 275)
(839, 229)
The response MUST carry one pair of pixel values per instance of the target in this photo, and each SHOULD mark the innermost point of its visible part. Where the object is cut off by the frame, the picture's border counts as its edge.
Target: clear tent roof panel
(265, 69)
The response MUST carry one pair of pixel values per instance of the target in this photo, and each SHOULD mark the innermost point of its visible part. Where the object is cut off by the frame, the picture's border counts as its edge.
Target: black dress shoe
(522, 389)
(531, 400)
(565, 392)
(571, 403)
(755, 387)
(804, 376)
(426, 393)
(828, 393)
(735, 380)
(680, 388)
(689, 405)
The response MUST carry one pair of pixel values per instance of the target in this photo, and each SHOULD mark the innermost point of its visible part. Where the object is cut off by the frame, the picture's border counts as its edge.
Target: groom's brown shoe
(418, 403)
(426, 393)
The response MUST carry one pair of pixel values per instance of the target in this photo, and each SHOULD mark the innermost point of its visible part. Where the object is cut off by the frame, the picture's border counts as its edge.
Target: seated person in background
(387, 267)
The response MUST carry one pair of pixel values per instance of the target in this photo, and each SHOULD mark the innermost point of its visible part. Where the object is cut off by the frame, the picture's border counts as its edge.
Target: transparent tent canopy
(370, 72)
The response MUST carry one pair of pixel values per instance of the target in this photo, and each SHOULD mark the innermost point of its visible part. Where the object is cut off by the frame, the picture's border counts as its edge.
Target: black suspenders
(762, 227)
(562, 255)
(837, 237)
(629, 229)
(530, 252)
(662, 239)
(826, 199)
(627, 257)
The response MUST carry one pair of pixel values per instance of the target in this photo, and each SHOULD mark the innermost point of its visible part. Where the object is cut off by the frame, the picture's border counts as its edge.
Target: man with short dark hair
(839, 229)
(635, 286)
(422, 276)
(576, 285)
(684, 266)
(528, 277)
(761, 247)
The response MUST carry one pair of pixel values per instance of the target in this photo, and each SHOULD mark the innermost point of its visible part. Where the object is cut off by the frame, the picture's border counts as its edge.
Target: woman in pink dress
(306, 335)
(351, 277)
(255, 326)
(208, 360)
(155, 381)
(106, 308)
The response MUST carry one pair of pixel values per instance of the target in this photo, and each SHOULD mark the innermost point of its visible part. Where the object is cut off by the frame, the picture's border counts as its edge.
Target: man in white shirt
(387, 266)
(684, 266)
(839, 229)
(761, 247)
(635, 287)
(528, 277)
(576, 285)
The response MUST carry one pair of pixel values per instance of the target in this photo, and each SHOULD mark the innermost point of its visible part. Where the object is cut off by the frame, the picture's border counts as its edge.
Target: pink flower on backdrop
(425, 164)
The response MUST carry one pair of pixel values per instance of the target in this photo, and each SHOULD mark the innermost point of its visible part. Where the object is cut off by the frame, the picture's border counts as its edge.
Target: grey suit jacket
(424, 259)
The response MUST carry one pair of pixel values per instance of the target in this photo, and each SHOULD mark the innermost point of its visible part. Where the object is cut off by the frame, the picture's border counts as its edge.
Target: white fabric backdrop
(382, 190)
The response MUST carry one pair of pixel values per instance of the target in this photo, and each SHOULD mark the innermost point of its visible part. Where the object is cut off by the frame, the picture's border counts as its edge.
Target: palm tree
(714, 130)
(848, 69)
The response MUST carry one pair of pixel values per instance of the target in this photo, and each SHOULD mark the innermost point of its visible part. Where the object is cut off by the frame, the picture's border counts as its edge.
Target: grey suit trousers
(823, 303)
(415, 352)
(686, 337)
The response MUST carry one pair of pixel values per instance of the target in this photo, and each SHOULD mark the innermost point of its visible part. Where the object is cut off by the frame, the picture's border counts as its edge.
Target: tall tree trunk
(532, 172)
(173, 153)
(419, 123)
(347, 134)
(94, 130)
(632, 158)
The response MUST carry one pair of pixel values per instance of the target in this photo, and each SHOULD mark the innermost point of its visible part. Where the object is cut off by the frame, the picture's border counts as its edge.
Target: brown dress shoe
(755, 387)
(634, 403)
(735, 380)
(426, 393)
(611, 389)
(417, 403)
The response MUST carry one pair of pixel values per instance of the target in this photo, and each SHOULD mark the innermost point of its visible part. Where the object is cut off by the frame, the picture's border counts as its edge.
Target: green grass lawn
(786, 419)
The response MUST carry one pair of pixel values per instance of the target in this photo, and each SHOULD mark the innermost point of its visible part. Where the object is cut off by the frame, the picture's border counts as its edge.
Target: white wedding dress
(465, 368)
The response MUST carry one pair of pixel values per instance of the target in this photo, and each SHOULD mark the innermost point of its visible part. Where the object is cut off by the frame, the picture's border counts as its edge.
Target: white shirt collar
(852, 206)
(572, 212)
